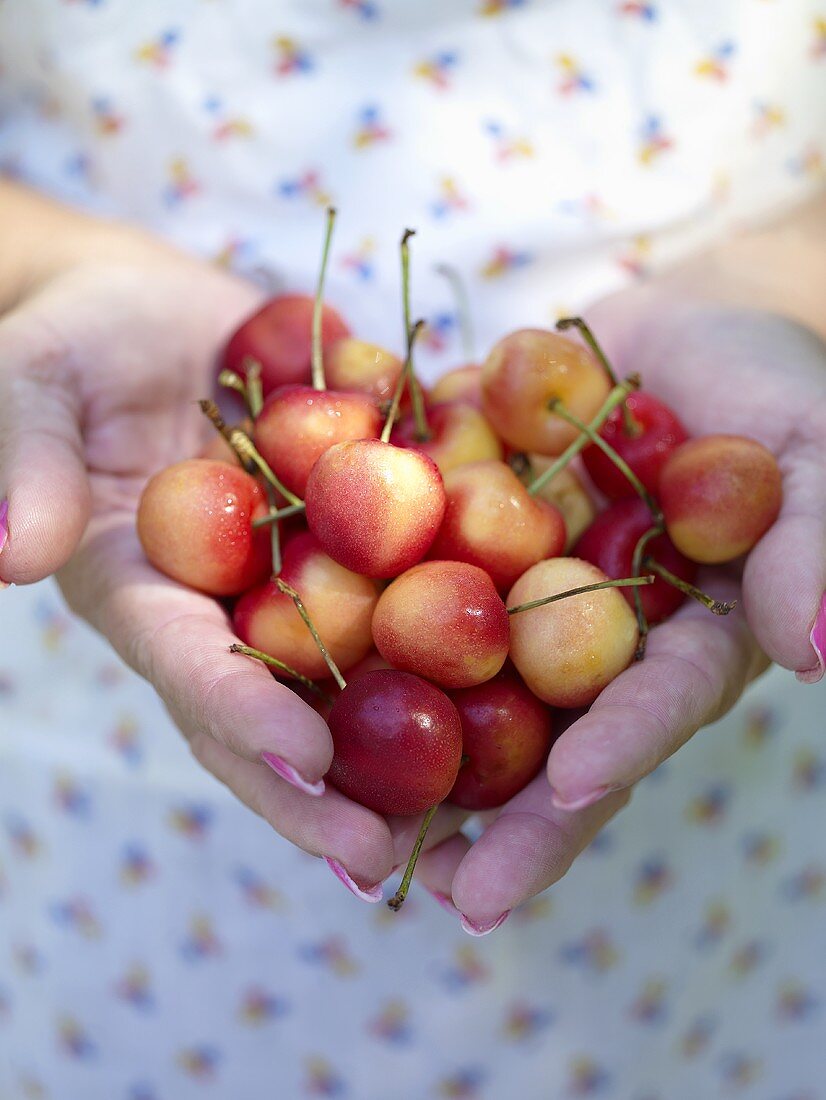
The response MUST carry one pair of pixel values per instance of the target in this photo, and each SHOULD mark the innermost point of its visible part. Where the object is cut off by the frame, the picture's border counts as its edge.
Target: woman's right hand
(102, 359)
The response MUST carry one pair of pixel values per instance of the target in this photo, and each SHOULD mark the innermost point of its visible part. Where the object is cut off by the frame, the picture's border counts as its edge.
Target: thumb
(45, 498)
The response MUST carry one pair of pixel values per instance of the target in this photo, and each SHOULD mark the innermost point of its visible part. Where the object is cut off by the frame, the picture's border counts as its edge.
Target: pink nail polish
(570, 805)
(818, 640)
(474, 929)
(445, 900)
(288, 772)
(371, 894)
(4, 524)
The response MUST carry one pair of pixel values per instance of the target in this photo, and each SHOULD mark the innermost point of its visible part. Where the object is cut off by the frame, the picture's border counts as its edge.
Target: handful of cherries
(437, 549)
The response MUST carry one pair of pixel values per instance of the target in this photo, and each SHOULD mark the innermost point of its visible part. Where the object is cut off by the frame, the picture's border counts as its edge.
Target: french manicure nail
(445, 900)
(4, 523)
(570, 805)
(366, 893)
(288, 773)
(474, 929)
(818, 640)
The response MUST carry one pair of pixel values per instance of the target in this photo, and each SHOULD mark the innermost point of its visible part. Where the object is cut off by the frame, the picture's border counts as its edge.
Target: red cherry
(609, 544)
(646, 453)
(506, 735)
(397, 742)
(279, 337)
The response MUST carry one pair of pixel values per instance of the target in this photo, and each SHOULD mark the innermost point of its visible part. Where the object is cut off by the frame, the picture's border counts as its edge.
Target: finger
(529, 846)
(784, 581)
(331, 826)
(179, 640)
(43, 479)
(695, 668)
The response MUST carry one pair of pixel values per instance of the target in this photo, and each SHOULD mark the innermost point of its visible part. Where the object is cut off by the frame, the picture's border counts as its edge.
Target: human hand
(101, 364)
(722, 370)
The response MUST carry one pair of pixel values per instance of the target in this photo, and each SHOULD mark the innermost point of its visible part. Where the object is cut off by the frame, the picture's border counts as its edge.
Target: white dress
(158, 941)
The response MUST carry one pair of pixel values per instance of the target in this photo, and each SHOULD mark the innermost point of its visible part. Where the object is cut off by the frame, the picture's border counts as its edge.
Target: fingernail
(474, 929)
(366, 893)
(4, 533)
(818, 640)
(288, 772)
(445, 900)
(570, 805)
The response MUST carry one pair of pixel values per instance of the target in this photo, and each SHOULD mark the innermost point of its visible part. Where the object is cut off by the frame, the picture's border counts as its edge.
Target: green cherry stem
(405, 376)
(462, 308)
(617, 394)
(557, 407)
(397, 901)
(232, 381)
(716, 607)
(319, 382)
(248, 651)
(623, 582)
(636, 567)
(288, 590)
(255, 389)
(630, 426)
(277, 514)
(416, 397)
(275, 535)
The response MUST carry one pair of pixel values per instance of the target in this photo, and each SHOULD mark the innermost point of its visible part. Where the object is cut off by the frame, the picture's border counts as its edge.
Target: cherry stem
(245, 448)
(716, 607)
(275, 535)
(630, 426)
(319, 382)
(406, 374)
(397, 901)
(462, 307)
(288, 590)
(557, 407)
(248, 651)
(233, 381)
(255, 389)
(280, 513)
(624, 582)
(416, 398)
(617, 394)
(636, 566)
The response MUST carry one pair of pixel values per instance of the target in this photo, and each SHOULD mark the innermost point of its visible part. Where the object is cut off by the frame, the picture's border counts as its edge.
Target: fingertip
(46, 513)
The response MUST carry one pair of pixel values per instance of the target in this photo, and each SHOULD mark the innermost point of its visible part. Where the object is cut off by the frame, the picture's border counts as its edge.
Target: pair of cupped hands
(101, 360)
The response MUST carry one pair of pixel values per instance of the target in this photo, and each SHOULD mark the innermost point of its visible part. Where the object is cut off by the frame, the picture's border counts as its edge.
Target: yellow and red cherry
(195, 525)
(357, 366)
(374, 507)
(279, 337)
(566, 492)
(460, 384)
(645, 439)
(506, 736)
(443, 620)
(297, 424)
(567, 652)
(457, 434)
(719, 495)
(492, 522)
(397, 742)
(340, 603)
(527, 370)
(609, 543)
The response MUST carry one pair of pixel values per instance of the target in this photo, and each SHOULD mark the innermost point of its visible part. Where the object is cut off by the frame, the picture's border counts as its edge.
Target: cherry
(609, 543)
(655, 434)
(720, 494)
(195, 525)
(443, 620)
(359, 367)
(506, 735)
(340, 602)
(491, 521)
(460, 384)
(375, 508)
(457, 433)
(565, 491)
(523, 373)
(397, 742)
